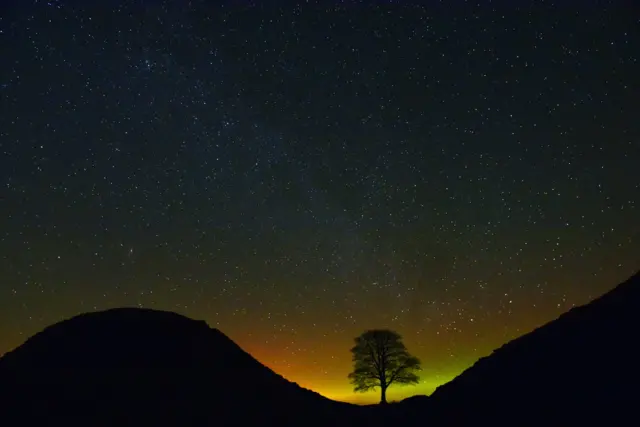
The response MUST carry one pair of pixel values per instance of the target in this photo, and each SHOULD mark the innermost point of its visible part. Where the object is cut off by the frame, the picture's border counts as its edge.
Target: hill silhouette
(144, 367)
(580, 369)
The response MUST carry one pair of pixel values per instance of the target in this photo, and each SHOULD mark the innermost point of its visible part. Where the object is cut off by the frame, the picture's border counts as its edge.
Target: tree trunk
(383, 395)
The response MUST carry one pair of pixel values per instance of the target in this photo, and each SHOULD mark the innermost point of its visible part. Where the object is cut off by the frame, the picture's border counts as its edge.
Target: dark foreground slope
(151, 368)
(145, 367)
(581, 369)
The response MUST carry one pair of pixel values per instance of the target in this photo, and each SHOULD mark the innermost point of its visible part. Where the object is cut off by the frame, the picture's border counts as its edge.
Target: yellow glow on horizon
(338, 388)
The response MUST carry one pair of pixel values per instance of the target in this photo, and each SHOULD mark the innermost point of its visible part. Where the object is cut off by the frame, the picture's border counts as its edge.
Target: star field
(296, 174)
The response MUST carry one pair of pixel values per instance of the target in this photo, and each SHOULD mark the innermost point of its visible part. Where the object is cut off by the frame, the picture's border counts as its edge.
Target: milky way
(296, 175)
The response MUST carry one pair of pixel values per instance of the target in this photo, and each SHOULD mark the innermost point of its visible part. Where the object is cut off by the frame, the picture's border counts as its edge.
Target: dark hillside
(582, 367)
(148, 367)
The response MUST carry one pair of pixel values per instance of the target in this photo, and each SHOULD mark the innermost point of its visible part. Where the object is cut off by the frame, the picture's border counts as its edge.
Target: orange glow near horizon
(320, 361)
(294, 177)
(334, 385)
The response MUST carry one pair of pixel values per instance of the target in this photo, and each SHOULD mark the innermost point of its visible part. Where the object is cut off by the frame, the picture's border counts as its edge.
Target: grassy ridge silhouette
(133, 366)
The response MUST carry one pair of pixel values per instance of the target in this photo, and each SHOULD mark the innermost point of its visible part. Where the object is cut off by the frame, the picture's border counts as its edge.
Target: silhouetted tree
(381, 359)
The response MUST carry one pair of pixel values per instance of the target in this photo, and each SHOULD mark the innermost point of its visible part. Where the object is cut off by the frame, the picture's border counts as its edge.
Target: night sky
(460, 173)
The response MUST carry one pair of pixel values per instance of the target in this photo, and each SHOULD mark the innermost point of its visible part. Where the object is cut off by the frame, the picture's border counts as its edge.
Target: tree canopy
(381, 359)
